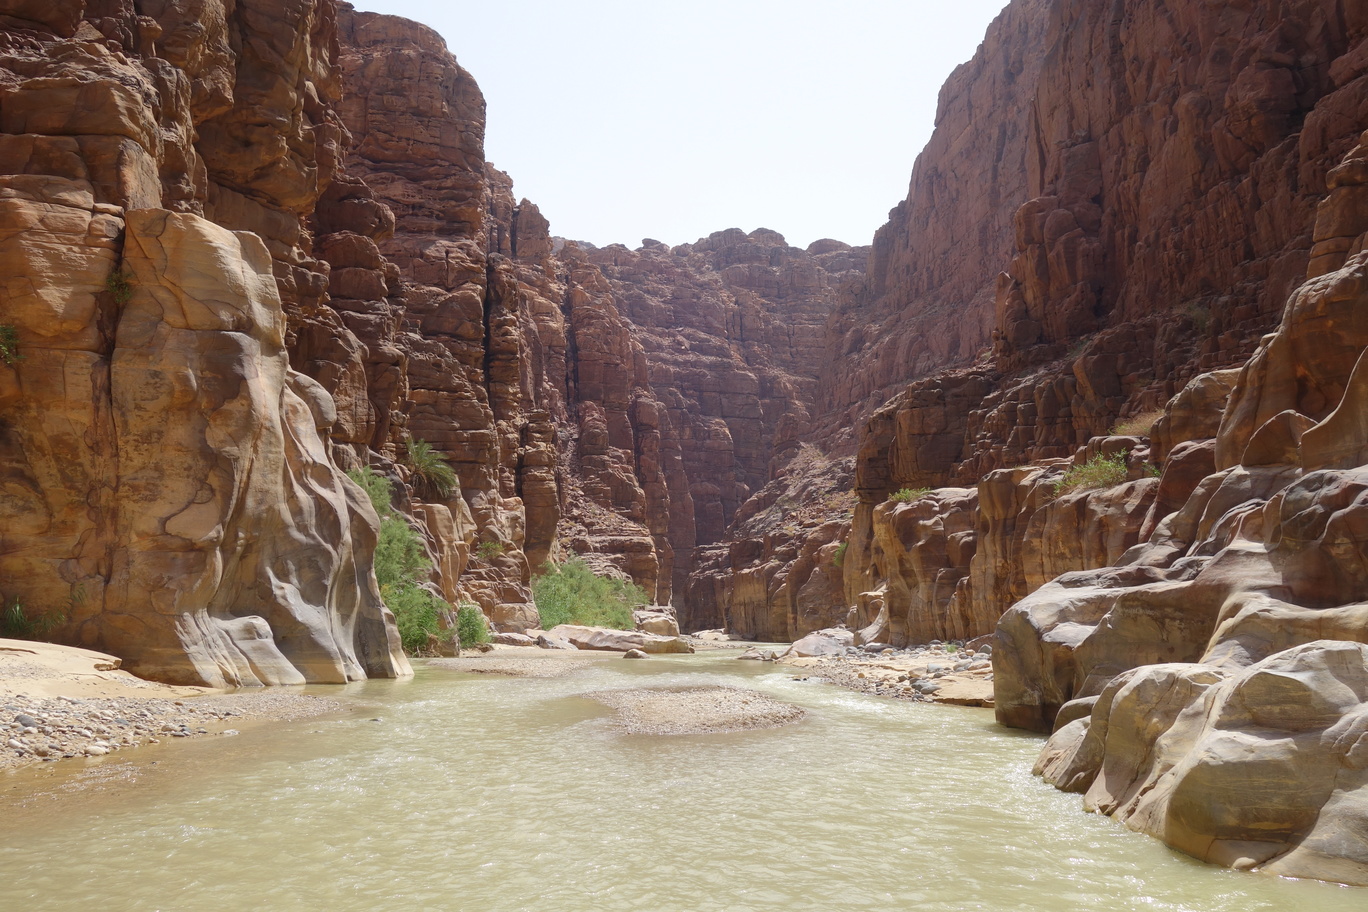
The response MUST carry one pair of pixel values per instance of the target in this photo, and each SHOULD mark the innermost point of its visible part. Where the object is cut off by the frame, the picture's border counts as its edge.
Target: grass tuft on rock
(17, 624)
(907, 495)
(9, 345)
(1098, 472)
(401, 563)
(1138, 425)
(571, 593)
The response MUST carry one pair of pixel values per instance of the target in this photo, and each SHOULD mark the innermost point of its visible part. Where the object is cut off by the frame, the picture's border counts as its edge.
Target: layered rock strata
(1226, 151)
(1102, 230)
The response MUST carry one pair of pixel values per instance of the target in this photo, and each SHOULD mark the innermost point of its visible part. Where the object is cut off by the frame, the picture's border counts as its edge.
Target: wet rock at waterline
(512, 639)
(1265, 767)
(657, 619)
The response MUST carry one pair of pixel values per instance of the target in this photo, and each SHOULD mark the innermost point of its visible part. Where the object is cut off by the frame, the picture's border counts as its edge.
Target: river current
(458, 791)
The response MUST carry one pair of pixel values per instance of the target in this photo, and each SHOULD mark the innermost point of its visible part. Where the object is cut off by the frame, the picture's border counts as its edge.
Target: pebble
(96, 727)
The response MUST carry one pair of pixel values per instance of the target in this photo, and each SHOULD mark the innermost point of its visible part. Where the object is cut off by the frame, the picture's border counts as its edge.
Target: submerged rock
(697, 710)
(602, 638)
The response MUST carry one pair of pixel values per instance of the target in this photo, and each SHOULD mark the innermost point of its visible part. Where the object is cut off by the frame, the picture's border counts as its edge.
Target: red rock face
(1088, 233)
(731, 328)
(928, 300)
(1133, 168)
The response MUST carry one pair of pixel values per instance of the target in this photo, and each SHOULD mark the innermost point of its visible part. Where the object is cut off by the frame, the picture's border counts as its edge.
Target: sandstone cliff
(1226, 651)
(168, 484)
(618, 404)
(612, 403)
(1171, 210)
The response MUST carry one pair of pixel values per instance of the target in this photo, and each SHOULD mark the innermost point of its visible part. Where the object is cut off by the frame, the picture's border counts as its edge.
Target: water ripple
(502, 795)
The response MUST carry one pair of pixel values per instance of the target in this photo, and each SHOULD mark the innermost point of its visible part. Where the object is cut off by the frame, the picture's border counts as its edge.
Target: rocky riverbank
(955, 673)
(62, 703)
(924, 674)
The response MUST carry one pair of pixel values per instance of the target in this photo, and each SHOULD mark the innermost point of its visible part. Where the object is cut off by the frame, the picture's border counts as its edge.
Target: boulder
(821, 643)
(657, 619)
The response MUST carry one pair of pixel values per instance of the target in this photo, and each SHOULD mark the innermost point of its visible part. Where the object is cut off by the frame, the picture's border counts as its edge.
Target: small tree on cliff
(433, 478)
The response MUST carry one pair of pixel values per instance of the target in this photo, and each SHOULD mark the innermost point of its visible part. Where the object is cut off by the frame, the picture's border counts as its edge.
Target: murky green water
(486, 794)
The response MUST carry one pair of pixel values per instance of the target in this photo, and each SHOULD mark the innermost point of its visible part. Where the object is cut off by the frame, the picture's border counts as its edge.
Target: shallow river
(486, 794)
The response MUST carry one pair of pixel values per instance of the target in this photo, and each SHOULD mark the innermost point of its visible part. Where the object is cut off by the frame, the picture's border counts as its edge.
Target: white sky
(626, 119)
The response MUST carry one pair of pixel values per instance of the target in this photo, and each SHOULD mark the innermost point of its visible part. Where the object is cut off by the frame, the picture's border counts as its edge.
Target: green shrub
(838, 559)
(432, 477)
(489, 550)
(574, 594)
(18, 624)
(1098, 472)
(377, 488)
(905, 495)
(401, 562)
(9, 344)
(418, 615)
(119, 287)
(470, 626)
(1200, 315)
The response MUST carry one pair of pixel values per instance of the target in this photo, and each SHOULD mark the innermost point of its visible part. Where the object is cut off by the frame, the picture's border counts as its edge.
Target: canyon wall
(928, 299)
(1228, 649)
(1183, 591)
(1116, 200)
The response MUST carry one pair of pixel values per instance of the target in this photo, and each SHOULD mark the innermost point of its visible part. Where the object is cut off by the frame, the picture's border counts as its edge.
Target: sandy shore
(61, 703)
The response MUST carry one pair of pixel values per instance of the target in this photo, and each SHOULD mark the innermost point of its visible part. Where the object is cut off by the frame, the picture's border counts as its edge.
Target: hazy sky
(626, 119)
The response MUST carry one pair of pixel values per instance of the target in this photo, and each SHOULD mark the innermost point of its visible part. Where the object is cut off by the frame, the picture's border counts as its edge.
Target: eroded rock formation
(1236, 631)
(1104, 310)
